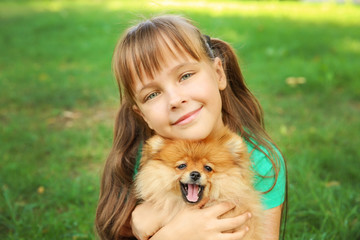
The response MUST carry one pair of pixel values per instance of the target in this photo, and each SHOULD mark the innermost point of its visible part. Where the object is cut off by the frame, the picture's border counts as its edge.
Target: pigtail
(117, 201)
(240, 107)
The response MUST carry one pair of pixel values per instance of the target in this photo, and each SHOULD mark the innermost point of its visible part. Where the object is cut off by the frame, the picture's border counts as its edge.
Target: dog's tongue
(192, 195)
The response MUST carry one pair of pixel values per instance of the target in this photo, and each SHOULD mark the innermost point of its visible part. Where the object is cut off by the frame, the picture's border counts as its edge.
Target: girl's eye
(181, 166)
(186, 76)
(151, 96)
(208, 168)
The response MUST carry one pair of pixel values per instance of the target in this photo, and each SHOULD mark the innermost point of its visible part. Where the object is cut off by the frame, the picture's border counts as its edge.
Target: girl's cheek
(156, 109)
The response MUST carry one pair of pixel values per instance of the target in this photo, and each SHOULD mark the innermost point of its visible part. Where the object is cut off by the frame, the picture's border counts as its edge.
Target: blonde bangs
(142, 51)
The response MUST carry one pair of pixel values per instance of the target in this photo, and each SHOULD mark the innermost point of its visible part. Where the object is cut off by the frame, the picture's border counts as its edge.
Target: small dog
(174, 174)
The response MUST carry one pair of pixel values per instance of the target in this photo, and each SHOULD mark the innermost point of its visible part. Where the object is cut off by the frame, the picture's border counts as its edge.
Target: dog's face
(191, 169)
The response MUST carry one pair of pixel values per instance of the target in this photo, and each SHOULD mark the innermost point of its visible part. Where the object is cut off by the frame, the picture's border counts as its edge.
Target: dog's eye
(208, 168)
(181, 166)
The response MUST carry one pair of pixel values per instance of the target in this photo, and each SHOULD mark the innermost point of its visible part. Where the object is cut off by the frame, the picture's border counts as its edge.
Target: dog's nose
(195, 175)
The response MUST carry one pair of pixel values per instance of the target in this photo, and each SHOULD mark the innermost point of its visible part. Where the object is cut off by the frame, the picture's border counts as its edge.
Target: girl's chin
(192, 135)
(194, 132)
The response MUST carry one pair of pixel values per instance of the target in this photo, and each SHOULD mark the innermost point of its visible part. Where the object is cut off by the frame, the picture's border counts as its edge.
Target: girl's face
(183, 99)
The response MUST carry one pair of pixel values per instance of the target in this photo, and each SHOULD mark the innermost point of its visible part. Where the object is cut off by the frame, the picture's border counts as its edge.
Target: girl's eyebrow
(149, 85)
(179, 66)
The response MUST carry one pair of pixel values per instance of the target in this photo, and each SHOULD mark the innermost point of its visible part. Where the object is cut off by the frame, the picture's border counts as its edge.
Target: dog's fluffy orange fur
(174, 174)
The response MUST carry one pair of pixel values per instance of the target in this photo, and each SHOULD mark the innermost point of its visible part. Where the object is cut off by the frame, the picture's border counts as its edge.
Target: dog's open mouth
(192, 193)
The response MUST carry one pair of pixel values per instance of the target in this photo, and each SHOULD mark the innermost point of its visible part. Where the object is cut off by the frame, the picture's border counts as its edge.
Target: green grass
(58, 100)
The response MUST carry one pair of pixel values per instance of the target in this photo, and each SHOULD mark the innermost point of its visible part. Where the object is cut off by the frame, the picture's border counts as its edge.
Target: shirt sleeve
(265, 176)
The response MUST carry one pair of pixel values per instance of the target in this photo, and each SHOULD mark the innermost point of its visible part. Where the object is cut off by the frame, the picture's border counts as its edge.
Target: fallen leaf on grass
(285, 130)
(294, 81)
(332, 184)
(41, 190)
(71, 115)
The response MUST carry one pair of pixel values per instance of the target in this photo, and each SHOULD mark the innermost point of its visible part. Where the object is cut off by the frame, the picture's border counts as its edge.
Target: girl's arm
(146, 221)
(191, 223)
(272, 223)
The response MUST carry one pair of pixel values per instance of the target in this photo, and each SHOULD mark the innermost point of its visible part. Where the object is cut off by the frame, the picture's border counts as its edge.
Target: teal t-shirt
(262, 166)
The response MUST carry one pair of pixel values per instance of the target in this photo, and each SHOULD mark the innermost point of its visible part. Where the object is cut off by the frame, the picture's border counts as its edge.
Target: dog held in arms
(175, 174)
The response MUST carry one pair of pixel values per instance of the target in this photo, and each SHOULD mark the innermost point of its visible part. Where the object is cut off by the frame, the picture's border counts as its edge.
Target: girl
(178, 83)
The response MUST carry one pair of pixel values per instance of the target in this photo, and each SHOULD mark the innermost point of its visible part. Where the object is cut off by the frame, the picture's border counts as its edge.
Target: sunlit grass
(330, 12)
(300, 11)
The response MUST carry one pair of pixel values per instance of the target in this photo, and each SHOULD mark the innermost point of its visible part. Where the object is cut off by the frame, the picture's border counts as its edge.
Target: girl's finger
(238, 235)
(221, 208)
(226, 224)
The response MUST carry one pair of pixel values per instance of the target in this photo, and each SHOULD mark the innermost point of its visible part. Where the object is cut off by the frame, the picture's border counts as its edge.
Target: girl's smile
(187, 118)
(183, 99)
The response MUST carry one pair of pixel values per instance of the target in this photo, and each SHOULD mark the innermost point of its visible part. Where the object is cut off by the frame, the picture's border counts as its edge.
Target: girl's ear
(138, 111)
(220, 73)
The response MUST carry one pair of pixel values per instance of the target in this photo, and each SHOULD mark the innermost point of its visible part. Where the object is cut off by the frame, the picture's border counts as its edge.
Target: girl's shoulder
(260, 157)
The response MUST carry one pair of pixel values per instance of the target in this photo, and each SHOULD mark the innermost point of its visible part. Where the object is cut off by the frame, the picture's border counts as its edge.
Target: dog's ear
(152, 146)
(236, 145)
(155, 144)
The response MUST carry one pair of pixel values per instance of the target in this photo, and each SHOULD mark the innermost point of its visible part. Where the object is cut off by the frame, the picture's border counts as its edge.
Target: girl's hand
(195, 223)
(145, 221)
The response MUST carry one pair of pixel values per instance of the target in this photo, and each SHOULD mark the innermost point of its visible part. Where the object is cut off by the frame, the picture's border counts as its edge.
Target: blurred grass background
(58, 100)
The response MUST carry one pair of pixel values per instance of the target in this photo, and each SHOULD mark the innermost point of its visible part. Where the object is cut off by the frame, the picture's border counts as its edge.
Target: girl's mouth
(187, 117)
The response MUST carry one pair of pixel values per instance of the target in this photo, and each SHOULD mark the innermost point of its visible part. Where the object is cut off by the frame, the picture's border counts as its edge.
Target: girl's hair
(139, 53)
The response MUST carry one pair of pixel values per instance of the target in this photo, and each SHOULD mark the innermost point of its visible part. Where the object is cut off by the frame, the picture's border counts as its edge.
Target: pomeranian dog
(174, 174)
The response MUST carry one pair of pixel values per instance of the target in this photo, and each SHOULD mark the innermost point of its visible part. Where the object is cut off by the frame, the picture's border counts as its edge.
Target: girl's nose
(176, 100)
